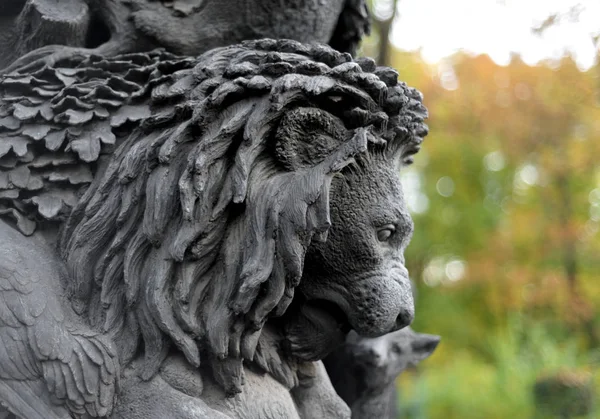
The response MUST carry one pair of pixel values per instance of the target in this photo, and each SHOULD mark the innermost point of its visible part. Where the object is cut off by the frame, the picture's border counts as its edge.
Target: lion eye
(385, 232)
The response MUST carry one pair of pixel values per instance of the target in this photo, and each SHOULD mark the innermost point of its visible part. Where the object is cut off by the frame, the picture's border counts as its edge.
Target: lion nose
(405, 318)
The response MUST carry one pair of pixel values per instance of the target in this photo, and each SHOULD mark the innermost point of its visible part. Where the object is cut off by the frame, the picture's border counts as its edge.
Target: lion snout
(381, 304)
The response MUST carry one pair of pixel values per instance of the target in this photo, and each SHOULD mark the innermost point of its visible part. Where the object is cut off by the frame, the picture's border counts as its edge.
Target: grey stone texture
(189, 237)
(37, 32)
(364, 370)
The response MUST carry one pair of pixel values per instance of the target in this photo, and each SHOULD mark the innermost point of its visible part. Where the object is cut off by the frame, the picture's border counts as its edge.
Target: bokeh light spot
(445, 186)
(528, 174)
(455, 270)
(494, 161)
(594, 196)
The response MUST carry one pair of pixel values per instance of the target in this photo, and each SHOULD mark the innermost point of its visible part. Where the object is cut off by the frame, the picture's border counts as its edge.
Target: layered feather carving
(43, 344)
(56, 124)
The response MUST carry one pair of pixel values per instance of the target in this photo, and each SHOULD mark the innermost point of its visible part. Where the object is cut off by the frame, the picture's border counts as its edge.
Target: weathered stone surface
(38, 32)
(207, 230)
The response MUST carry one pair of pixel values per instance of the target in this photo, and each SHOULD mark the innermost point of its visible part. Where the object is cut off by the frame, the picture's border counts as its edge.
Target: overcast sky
(497, 28)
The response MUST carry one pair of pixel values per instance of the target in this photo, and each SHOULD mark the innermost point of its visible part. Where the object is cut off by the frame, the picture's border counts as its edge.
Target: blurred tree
(572, 14)
(506, 202)
(508, 182)
(383, 14)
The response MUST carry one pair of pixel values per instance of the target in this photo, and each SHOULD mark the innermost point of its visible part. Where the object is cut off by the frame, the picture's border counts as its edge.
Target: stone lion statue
(189, 237)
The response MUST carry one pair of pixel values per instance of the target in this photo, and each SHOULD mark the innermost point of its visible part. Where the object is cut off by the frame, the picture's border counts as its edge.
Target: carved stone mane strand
(194, 228)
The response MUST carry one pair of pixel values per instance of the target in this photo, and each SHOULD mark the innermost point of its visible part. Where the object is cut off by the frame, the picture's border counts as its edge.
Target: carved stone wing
(56, 124)
(48, 359)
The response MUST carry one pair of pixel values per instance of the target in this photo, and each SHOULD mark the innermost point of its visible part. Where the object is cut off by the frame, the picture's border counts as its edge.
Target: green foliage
(564, 395)
(498, 386)
(506, 201)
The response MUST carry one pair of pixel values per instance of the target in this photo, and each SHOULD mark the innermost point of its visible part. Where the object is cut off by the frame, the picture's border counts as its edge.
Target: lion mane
(194, 227)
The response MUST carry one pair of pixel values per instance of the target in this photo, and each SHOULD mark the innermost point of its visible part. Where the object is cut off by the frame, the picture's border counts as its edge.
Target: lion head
(261, 193)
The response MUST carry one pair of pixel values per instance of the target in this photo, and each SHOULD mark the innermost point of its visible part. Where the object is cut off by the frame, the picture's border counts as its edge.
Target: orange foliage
(524, 225)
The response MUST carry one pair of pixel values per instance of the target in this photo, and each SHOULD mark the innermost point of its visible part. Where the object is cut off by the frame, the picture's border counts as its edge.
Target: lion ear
(306, 136)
